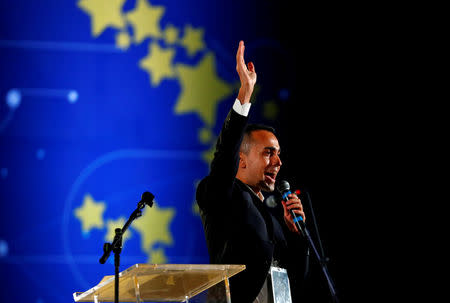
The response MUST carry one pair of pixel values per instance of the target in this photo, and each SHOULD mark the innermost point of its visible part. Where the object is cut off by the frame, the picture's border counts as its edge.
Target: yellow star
(270, 110)
(171, 34)
(123, 40)
(111, 226)
(193, 40)
(157, 256)
(195, 208)
(153, 227)
(201, 89)
(145, 20)
(205, 135)
(90, 214)
(158, 63)
(103, 13)
(208, 155)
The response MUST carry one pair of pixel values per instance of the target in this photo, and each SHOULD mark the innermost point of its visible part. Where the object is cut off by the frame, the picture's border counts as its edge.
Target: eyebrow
(272, 148)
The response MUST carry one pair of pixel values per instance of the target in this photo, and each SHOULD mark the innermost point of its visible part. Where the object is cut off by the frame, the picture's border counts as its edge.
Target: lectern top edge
(211, 273)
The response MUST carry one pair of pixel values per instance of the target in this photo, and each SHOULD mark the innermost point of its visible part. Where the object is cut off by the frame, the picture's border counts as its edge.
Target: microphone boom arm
(116, 246)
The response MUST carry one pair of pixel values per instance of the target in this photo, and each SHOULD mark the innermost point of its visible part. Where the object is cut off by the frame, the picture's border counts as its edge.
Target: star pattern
(201, 89)
(123, 40)
(90, 214)
(145, 20)
(193, 40)
(158, 63)
(111, 226)
(270, 110)
(157, 256)
(171, 34)
(154, 227)
(104, 13)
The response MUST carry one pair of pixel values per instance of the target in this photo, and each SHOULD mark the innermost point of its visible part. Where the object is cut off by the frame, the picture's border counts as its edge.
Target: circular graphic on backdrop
(105, 194)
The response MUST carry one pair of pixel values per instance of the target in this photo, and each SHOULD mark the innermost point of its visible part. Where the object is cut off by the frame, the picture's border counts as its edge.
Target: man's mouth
(271, 176)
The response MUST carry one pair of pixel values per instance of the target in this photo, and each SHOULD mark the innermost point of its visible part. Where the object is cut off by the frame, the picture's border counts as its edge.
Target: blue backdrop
(101, 100)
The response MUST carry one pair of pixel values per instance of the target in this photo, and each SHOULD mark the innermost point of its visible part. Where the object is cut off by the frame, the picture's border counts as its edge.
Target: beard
(267, 187)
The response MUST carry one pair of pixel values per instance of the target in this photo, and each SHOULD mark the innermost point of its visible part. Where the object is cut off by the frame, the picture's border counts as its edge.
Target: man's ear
(242, 160)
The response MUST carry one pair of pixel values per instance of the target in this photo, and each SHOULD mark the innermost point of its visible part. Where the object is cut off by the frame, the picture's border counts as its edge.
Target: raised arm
(225, 163)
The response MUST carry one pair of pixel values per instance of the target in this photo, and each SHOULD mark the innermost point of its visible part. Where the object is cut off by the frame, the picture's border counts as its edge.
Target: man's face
(263, 160)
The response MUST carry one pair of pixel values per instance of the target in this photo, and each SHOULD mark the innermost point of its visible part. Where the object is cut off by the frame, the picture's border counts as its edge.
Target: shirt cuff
(241, 109)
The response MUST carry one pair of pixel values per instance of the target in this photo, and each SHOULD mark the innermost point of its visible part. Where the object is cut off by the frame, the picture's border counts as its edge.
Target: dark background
(352, 86)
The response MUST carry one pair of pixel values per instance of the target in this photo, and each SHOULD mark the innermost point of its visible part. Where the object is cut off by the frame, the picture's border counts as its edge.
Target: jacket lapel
(262, 211)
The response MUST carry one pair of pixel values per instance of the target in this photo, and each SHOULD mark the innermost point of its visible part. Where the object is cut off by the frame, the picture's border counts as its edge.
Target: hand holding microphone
(294, 215)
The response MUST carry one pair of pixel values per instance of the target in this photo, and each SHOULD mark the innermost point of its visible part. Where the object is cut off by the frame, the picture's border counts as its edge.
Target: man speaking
(239, 227)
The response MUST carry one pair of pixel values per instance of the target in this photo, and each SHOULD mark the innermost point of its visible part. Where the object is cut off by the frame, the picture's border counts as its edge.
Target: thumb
(251, 67)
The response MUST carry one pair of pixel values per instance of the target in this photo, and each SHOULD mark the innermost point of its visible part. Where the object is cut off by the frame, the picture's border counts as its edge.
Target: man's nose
(277, 160)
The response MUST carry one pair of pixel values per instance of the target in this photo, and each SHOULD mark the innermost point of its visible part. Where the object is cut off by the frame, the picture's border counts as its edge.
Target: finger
(284, 207)
(251, 67)
(288, 209)
(294, 207)
(290, 200)
(294, 201)
(287, 213)
(293, 196)
(298, 213)
(240, 55)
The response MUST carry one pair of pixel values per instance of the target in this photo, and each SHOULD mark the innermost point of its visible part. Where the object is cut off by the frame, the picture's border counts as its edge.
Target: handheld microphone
(285, 189)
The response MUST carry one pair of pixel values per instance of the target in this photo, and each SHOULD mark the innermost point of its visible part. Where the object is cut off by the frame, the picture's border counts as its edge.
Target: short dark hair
(246, 140)
(253, 127)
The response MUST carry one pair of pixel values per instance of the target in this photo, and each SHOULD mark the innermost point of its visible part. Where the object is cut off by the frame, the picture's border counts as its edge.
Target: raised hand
(247, 75)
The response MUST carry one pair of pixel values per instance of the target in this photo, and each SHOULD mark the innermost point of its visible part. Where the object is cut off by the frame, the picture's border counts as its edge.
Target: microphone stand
(116, 246)
(304, 231)
(321, 261)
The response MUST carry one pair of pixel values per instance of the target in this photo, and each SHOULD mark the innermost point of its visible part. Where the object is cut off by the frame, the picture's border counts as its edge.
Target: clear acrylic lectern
(166, 283)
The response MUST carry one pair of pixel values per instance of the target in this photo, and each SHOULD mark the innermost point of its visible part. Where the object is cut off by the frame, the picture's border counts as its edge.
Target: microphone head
(147, 198)
(283, 186)
(271, 201)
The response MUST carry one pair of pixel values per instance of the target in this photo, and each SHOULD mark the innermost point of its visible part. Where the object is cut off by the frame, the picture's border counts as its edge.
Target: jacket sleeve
(225, 163)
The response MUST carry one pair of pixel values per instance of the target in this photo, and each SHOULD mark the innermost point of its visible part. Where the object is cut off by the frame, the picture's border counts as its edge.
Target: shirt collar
(259, 197)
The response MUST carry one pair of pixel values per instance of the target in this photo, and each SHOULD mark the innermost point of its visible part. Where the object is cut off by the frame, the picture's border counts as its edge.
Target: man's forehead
(265, 139)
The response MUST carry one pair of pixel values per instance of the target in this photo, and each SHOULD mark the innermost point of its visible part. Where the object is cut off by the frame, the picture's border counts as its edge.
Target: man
(239, 227)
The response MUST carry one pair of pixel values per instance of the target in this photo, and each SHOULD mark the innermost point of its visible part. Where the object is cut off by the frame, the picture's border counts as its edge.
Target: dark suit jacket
(239, 228)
